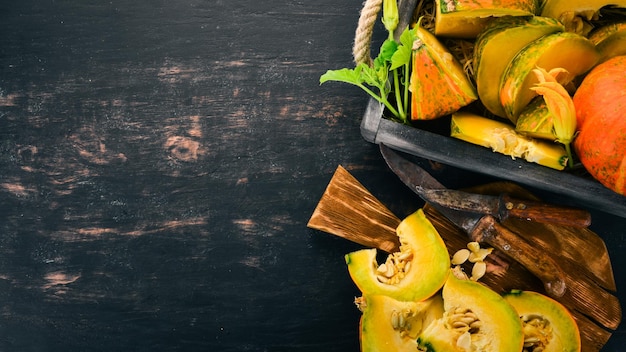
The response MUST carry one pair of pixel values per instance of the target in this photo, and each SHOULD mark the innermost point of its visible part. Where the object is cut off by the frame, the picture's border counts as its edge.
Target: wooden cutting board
(592, 260)
(348, 210)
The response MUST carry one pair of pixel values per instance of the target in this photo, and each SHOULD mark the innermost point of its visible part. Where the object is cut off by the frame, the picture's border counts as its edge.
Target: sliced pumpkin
(476, 318)
(495, 48)
(610, 40)
(575, 14)
(547, 325)
(552, 51)
(414, 273)
(391, 325)
(502, 138)
(438, 85)
(535, 121)
(466, 18)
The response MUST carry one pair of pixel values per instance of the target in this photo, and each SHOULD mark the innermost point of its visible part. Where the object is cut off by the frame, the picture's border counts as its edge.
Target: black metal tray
(568, 187)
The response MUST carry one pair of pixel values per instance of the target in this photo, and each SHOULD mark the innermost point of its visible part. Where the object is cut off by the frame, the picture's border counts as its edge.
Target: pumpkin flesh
(547, 322)
(438, 84)
(495, 48)
(499, 327)
(502, 138)
(575, 14)
(424, 257)
(466, 18)
(549, 52)
(390, 325)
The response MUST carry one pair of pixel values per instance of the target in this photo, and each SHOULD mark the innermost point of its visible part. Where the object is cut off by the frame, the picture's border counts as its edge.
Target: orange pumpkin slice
(439, 86)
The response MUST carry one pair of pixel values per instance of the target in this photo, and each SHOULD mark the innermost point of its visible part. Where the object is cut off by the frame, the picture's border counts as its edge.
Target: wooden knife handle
(489, 230)
(542, 212)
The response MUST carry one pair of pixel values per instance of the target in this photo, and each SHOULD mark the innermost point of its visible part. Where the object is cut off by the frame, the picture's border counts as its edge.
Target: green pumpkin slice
(496, 47)
(546, 323)
(476, 318)
(466, 18)
(576, 14)
(610, 40)
(414, 273)
(556, 50)
(391, 325)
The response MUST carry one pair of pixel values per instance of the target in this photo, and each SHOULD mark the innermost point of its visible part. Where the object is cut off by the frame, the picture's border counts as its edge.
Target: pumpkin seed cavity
(537, 332)
(395, 268)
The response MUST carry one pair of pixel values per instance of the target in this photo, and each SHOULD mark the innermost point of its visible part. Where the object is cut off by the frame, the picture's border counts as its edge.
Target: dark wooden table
(159, 161)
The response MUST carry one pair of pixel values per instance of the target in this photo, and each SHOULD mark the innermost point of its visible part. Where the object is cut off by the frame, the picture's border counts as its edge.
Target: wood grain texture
(159, 161)
(350, 211)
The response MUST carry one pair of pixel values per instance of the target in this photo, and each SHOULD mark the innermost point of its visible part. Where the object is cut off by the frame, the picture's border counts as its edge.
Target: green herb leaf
(344, 75)
(387, 49)
(402, 55)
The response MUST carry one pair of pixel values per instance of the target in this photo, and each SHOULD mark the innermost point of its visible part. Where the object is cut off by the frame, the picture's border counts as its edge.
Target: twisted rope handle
(361, 49)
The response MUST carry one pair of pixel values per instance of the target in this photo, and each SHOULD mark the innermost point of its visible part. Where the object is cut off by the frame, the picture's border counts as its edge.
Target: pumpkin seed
(478, 270)
(460, 257)
(395, 320)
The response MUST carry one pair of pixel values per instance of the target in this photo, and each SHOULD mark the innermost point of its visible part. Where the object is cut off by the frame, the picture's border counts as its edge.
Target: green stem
(570, 159)
(380, 98)
(407, 79)
(396, 84)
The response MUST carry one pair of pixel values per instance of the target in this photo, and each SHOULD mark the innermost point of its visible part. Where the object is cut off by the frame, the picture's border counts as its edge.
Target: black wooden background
(159, 161)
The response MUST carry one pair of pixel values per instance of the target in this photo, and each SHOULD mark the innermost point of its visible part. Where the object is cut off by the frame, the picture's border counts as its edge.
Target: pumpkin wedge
(610, 40)
(414, 273)
(438, 83)
(572, 52)
(535, 121)
(502, 138)
(575, 14)
(390, 325)
(495, 48)
(476, 318)
(548, 326)
(466, 18)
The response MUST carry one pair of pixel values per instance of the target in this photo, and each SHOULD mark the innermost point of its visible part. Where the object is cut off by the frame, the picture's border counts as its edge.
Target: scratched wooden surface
(159, 161)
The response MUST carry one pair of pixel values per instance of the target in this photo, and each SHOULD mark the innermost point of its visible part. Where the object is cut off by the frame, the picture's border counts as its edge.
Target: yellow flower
(560, 105)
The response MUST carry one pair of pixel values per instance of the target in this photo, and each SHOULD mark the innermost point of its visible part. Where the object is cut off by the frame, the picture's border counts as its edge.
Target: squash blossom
(560, 105)
(391, 16)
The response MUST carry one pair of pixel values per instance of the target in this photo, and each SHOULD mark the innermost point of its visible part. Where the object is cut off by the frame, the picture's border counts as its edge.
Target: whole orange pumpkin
(600, 103)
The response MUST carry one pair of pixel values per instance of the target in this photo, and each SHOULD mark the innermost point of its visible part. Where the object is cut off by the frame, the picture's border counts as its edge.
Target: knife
(501, 207)
(483, 227)
(504, 206)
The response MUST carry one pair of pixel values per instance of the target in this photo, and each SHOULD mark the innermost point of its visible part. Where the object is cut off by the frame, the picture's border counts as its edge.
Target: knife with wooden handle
(505, 206)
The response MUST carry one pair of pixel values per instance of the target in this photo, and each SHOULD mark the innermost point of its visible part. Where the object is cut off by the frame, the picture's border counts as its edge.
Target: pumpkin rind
(500, 330)
(600, 103)
(430, 263)
(535, 121)
(390, 325)
(610, 40)
(438, 85)
(549, 52)
(466, 18)
(562, 331)
(495, 48)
